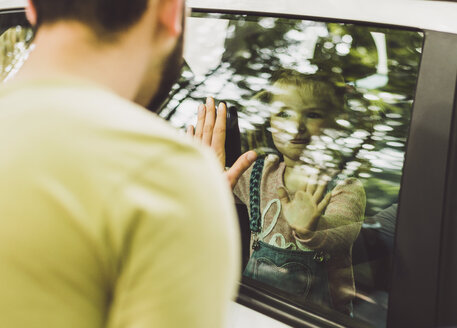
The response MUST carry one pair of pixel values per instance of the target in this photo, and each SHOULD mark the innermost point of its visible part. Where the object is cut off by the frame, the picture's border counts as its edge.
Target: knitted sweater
(336, 230)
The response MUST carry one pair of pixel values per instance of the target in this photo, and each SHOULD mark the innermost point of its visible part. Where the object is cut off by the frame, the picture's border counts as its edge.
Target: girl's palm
(306, 206)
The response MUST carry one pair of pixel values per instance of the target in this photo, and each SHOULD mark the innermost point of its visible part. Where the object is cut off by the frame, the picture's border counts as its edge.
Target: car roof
(11, 4)
(431, 15)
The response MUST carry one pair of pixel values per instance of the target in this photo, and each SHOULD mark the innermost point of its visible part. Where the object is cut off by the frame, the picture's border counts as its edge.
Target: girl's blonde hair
(329, 88)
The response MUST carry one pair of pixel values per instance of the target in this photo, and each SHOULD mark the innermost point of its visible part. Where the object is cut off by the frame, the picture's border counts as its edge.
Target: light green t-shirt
(108, 217)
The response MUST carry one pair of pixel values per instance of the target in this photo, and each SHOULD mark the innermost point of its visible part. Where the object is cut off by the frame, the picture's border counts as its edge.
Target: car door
(395, 134)
(400, 83)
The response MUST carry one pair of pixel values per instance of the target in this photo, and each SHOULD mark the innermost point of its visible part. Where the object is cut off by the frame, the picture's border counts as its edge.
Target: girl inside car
(304, 215)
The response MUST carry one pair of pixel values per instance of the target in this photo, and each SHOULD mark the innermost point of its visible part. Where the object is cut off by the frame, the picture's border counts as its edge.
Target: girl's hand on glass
(304, 209)
(211, 131)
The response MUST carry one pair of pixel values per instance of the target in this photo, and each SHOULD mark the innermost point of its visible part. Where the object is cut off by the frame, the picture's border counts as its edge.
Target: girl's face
(298, 116)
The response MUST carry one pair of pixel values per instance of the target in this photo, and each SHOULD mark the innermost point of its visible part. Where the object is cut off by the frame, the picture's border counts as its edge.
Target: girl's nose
(302, 125)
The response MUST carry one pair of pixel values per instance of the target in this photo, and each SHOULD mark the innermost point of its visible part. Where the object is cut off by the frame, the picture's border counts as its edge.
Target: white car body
(432, 15)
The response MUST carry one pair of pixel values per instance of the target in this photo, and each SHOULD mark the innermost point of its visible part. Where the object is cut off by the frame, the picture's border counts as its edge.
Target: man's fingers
(323, 204)
(210, 118)
(283, 196)
(200, 121)
(241, 165)
(219, 131)
(190, 130)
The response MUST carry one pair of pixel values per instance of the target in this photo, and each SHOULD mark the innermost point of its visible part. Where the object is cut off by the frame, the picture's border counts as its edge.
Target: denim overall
(301, 273)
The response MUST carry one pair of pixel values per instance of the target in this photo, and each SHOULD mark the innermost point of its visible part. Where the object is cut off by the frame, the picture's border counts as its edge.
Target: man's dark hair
(106, 17)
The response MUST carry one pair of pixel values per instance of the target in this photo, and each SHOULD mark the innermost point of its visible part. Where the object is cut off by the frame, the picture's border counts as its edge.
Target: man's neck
(69, 49)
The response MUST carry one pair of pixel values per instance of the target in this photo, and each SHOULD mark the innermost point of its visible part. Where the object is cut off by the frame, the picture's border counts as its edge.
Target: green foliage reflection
(379, 66)
(14, 43)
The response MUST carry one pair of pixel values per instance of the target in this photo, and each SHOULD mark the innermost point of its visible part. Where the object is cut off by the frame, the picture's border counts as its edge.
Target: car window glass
(327, 106)
(15, 41)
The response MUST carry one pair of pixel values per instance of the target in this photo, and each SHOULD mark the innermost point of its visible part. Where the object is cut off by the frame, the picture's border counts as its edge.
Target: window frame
(17, 13)
(419, 227)
(447, 284)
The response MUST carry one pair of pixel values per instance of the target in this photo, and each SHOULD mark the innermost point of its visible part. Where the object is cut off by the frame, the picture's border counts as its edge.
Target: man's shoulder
(98, 127)
(85, 108)
(142, 134)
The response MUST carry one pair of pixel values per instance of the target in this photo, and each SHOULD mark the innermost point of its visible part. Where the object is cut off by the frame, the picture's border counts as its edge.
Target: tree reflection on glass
(374, 68)
(379, 67)
(14, 45)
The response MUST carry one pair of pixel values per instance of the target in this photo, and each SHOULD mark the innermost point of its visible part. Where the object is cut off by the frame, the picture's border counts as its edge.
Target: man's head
(148, 32)
(106, 17)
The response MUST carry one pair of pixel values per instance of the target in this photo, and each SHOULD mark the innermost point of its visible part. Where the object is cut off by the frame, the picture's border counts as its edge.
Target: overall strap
(334, 182)
(254, 195)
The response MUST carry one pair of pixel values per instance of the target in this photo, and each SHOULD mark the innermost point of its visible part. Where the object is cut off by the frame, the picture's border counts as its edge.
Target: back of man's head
(97, 40)
(105, 17)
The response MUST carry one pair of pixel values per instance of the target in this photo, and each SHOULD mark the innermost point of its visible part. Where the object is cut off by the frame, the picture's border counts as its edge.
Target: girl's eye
(284, 114)
(314, 115)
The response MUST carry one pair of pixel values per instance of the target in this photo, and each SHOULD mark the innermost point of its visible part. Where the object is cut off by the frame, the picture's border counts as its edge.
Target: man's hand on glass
(211, 130)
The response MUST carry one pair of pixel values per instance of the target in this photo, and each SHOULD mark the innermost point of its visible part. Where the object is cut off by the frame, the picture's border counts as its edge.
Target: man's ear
(30, 13)
(170, 17)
